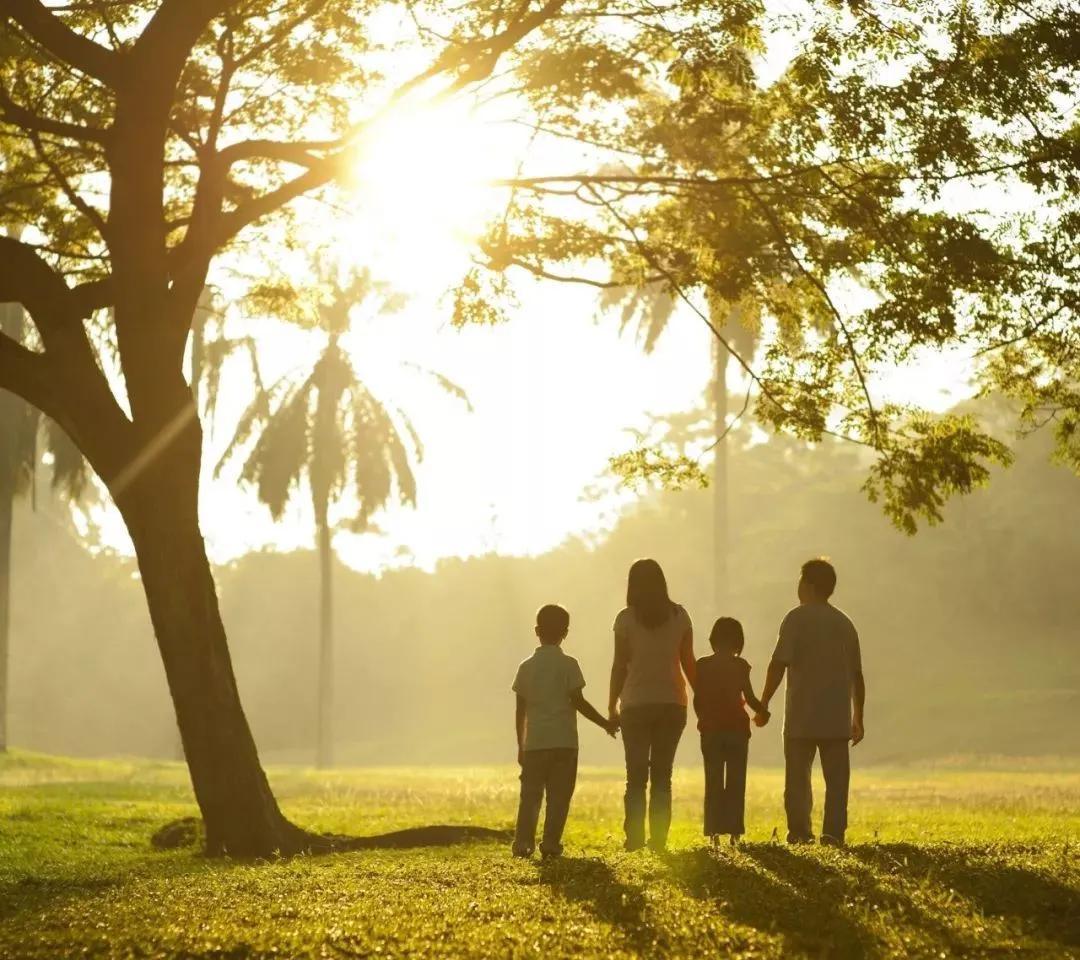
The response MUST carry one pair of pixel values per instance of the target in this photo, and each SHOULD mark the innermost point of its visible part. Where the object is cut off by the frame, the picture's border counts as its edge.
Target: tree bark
(325, 743)
(160, 508)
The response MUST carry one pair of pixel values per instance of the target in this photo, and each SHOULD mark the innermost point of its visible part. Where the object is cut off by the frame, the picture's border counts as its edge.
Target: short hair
(727, 631)
(552, 621)
(821, 575)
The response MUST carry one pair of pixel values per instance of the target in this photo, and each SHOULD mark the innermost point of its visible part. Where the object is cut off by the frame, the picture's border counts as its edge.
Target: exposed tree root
(188, 832)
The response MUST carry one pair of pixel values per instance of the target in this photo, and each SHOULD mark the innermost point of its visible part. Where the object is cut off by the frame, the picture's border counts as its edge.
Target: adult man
(818, 647)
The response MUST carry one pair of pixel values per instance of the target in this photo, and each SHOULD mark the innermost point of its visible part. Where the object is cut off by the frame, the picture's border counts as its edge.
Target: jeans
(725, 755)
(554, 773)
(650, 734)
(798, 793)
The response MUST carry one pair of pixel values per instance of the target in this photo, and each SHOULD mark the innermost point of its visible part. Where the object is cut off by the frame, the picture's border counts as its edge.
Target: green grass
(944, 862)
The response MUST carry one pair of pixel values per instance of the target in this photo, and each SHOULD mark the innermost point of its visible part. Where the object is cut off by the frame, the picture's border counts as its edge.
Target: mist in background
(969, 630)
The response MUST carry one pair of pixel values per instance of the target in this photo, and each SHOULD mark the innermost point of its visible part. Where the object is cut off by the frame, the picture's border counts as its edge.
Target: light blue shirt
(546, 682)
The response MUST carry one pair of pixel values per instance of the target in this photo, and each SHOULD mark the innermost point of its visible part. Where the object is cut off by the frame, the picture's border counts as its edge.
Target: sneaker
(797, 838)
(521, 853)
(735, 839)
(630, 846)
(658, 846)
(827, 841)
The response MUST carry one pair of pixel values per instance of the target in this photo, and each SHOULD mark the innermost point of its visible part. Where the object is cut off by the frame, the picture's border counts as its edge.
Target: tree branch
(26, 374)
(25, 119)
(48, 30)
(27, 279)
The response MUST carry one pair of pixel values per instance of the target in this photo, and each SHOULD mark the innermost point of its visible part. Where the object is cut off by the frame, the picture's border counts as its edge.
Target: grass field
(943, 862)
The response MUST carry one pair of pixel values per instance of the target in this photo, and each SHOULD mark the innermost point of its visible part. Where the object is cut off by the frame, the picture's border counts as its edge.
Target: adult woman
(654, 648)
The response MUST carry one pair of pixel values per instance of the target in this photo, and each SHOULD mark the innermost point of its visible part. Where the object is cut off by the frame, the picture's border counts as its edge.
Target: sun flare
(424, 187)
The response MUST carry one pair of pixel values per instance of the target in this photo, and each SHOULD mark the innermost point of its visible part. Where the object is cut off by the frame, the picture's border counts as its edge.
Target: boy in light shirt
(548, 687)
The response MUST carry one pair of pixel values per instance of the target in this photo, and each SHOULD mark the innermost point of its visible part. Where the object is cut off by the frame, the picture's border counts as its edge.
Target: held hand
(857, 731)
(761, 718)
(612, 727)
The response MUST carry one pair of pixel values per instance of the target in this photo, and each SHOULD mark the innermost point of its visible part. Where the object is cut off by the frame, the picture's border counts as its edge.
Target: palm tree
(25, 436)
(329, 429)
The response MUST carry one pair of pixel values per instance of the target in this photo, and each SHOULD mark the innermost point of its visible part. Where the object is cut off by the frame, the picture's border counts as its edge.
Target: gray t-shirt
(820, 646)
(546, 681)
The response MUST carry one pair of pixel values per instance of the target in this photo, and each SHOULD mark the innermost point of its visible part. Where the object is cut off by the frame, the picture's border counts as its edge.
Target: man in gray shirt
(818, 647)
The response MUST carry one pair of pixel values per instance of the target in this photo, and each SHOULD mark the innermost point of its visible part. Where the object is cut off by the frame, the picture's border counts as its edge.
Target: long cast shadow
(592, 882)
(1043, 906)
(804, 911)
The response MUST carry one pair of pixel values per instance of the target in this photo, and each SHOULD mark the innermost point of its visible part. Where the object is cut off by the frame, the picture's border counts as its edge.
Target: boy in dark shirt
(722, 688)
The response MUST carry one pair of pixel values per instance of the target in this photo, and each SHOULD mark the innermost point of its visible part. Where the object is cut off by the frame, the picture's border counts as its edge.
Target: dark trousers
(545, 772)
(799, 795)
(650, 736)
(725, 755)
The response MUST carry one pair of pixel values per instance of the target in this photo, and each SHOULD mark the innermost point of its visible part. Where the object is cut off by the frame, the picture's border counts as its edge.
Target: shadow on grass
(188, 832)
(593, 883)
(776, 893)
(1043, 906)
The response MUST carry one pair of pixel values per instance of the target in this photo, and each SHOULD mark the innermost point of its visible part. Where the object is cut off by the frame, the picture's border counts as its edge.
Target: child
(723, 684)
(548, 687)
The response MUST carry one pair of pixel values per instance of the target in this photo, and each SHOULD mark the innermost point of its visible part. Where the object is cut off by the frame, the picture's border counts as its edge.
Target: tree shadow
(776, 893)
(593, 883)
(1044, 907)
(188, 832)
(434, 835)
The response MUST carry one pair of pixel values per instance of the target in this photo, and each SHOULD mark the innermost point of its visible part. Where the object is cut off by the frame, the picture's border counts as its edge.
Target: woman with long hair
(654, 649)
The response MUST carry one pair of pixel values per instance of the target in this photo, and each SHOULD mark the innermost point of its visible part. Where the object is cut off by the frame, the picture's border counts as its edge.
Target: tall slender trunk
(721, 533)
(325, 744)
(7, 505)
(160, 508)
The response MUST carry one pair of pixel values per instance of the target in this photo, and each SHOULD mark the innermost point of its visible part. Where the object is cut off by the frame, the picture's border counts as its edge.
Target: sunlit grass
(942, 862)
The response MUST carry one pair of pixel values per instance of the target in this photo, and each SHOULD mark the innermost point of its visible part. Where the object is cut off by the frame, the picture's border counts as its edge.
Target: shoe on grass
(796, 839)
(827, 841)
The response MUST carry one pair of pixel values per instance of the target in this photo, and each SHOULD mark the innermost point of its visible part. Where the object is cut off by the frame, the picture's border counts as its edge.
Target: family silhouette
(653, 667)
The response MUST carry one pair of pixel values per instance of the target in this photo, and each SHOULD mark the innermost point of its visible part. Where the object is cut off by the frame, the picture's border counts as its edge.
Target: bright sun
(424, 188)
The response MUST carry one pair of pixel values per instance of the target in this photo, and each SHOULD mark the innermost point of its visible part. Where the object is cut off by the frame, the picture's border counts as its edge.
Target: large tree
(141, 139)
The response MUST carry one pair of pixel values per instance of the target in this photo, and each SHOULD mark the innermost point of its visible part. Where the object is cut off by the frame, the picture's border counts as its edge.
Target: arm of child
(761, 714)
(589, 712)
(519, 726)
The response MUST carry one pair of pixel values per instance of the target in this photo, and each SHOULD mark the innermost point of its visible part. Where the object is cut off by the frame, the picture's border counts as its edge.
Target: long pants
(799, 795)
(725, 755)
(650, 736)
(545, 772)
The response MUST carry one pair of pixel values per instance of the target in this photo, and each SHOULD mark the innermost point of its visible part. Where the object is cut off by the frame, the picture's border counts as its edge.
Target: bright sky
(555, 392)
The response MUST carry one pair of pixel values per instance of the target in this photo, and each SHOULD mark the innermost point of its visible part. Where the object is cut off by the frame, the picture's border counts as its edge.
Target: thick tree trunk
(159, 506)
(325, 743)
(7, 504)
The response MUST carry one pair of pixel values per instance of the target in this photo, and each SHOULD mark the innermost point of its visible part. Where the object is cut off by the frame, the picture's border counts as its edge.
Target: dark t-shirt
(718, 694)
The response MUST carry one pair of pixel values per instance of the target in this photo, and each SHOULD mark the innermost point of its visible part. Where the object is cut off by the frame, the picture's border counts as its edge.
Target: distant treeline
(969, 630)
